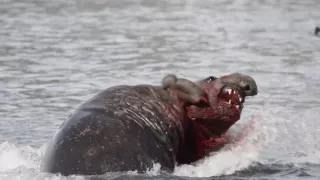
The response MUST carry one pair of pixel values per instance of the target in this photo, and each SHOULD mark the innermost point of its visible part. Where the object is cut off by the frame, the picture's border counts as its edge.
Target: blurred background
(56, 54)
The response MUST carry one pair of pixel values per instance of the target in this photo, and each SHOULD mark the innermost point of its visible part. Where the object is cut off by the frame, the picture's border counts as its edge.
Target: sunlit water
(54, 55)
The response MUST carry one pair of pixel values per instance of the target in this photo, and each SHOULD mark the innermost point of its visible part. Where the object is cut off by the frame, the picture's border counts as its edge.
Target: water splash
(12, 157)
(23, 162)
(234, 157)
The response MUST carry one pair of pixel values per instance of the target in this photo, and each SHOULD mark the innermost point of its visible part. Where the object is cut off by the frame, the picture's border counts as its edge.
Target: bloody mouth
(232, 97)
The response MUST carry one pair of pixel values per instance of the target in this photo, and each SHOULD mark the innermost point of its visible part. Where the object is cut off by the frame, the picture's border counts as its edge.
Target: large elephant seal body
(132, 127)
(120, 129)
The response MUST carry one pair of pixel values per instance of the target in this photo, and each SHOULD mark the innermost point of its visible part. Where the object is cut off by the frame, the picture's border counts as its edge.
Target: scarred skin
(132, 127)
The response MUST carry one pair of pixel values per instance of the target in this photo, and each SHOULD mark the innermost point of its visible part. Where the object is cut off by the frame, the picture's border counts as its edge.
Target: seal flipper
(189, 91)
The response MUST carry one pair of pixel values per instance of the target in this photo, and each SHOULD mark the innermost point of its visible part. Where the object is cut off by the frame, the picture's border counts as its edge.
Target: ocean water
(55, 55)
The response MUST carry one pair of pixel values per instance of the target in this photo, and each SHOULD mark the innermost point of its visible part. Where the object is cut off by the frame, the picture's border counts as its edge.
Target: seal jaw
(232, 97)
(226, 97)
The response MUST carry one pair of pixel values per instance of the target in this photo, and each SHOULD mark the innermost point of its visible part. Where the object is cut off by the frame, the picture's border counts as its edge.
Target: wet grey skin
(122, 128)
(190, 92)
(126, 128)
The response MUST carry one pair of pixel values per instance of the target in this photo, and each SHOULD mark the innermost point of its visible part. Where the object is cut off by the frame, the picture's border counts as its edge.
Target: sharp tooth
(229, 91)
(229, 101)
(240, 99)
(237, 106)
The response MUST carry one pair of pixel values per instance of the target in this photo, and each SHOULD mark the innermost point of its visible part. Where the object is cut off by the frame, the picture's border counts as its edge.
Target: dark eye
(211, 78)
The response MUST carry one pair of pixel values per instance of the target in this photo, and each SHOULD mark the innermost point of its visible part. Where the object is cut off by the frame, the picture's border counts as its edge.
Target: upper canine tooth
(240, 99)
(229, 91)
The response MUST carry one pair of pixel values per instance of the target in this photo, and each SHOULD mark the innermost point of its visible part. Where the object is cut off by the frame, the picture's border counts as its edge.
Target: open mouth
(218, 118)
(232, 96)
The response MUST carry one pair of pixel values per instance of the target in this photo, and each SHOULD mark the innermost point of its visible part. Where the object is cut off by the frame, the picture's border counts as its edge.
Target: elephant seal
(127, 128)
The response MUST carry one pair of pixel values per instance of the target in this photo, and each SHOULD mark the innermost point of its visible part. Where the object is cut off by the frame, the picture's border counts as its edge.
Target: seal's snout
(248, 85)
(243, 83)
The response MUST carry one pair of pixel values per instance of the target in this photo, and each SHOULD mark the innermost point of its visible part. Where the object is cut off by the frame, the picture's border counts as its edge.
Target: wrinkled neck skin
(217, 116)
(206, 126)
(193, 139)
(203, 136)
(178, 109)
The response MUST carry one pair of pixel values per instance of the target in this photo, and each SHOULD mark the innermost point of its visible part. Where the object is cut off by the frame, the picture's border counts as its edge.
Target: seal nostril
(247, 87)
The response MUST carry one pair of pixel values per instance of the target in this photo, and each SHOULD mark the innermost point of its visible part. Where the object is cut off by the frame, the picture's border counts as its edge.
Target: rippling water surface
(54, 55)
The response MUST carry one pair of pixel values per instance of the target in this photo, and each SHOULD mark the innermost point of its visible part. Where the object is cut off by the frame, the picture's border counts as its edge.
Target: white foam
(155, 170)
(23, 162)
(12, 157)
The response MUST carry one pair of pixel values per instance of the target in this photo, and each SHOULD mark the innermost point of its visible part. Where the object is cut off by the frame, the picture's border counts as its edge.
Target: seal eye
(211, 78)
